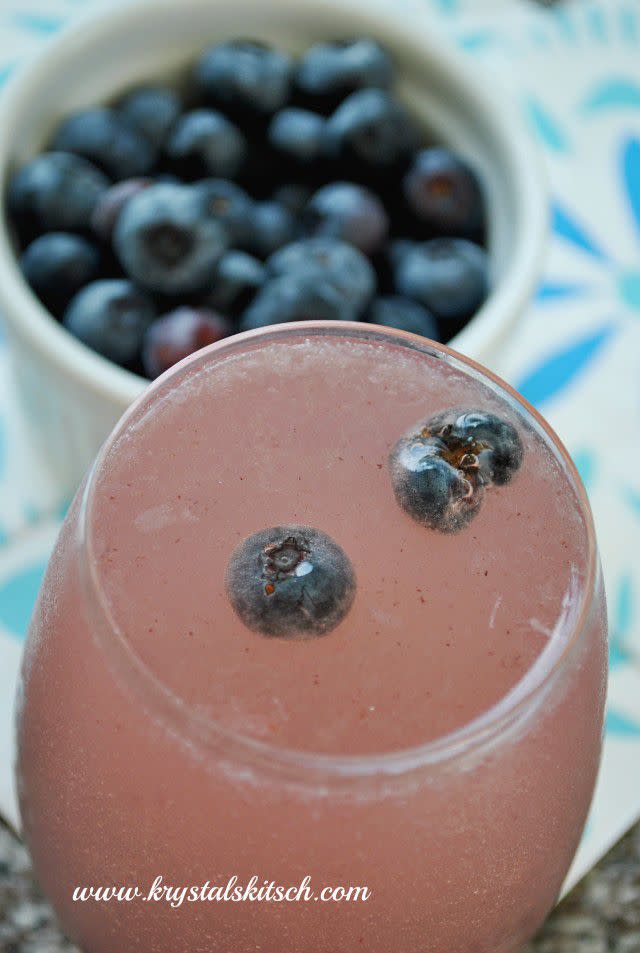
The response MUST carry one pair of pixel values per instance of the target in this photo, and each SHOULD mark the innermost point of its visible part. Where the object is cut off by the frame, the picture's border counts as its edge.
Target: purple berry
(178, 334)
(444, 195)
(349, 212)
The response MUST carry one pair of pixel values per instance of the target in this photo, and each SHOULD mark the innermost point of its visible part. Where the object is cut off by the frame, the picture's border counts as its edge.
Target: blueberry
(306, 296)
(110, 204)
(371, 128)
(349, 212)
(441, 468)
(242, 76)
(204, 142)
(272, 226)
(328, 72)
(492, 441)
(229, 204)
(165, 242)
(337, 263)
(405, 315)
(153, 110)
(290, 582)
(55, 191)
(293, 196)
(449, 276)
(178, 334)
(111, 317)
(237, 279)
(429, 488)
(57, 265)
(443, 193)
(298, 135)
(105, 137)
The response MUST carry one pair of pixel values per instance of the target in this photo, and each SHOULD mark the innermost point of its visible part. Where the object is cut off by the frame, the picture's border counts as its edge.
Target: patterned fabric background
(576, 355)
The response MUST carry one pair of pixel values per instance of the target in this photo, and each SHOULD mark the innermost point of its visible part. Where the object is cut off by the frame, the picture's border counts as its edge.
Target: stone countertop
(602, 915)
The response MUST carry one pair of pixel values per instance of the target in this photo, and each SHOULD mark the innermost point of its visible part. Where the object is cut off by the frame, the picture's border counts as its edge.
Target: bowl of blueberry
(174, 174)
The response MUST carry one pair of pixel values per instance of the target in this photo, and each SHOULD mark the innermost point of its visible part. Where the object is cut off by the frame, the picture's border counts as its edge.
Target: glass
(150, 745)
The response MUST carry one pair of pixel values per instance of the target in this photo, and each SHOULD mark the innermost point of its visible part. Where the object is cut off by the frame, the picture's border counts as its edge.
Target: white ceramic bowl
(73, 395)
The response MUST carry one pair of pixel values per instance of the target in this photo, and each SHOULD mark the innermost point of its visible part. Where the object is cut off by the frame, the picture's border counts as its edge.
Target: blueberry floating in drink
(291, 582)
(441, 469)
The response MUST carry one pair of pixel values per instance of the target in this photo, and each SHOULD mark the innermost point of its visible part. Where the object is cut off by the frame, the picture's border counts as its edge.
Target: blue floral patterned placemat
(576, 354)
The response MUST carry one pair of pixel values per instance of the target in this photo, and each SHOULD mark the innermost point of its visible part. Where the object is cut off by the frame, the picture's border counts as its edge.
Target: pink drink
(439, 745)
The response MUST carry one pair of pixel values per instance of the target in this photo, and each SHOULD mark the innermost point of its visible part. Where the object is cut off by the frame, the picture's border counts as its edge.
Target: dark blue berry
(449, 276)
(245, 77)
(440, 470)
(230, 205)
(371, 128)
(54, 191)
(492, 441)
(444, 194)
(204, 142)
(57, 265)
(110, 205)
(166, 243)
(429, 489)
(272, 226)
(328, 72)
(290, 582)
(405, 315)
(337, 264)
(306, 296)
(298, 135)
(178, 334)
(153, 110)
(103, 136)
(349, 212)
(237, 278)
(111, 317)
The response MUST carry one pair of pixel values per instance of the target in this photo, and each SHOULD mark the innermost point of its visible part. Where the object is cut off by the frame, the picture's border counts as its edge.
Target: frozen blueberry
(371, 128)
(111, 317)
(328, 72)
(110, 205)
(441, 468)
(443, 193)
(429, 488)
(55, 191)
(204, 142)
(57, 265)
(298, 135)
(242, 76)
(229, 204)
(103, 136)
(290, 582)
(153, 110)
(237, 279)
(178, 334)
(166, 243)
(449, 276)
(349, 212)
(487, 442)
(272, 226)
(338, 263)
(306, 296)
(403, 314)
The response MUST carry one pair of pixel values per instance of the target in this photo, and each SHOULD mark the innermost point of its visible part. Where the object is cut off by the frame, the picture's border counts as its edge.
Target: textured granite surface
(602, 915)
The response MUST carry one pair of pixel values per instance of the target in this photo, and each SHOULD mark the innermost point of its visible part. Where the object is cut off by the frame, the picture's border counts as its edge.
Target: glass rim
(237, 748)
